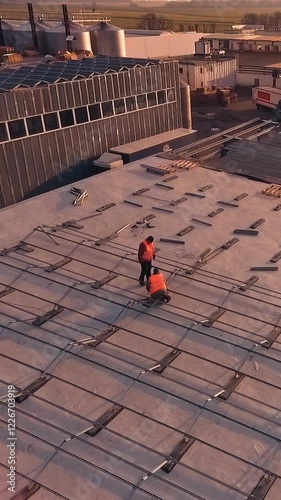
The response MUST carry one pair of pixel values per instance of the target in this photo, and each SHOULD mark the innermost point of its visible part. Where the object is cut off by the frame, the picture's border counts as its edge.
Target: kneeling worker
(157, 287)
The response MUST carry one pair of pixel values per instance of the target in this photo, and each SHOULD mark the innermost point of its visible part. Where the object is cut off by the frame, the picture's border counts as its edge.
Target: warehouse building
(245, 42)
(68, 113)
(204, 72)
(256, 76)
(160, 44)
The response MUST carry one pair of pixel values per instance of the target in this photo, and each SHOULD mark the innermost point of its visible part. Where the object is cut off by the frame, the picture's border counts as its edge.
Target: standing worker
(145, 255)
(157, 287)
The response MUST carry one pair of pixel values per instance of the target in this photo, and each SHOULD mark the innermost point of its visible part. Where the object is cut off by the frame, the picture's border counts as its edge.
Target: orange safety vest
(149, 252)
(157, 282)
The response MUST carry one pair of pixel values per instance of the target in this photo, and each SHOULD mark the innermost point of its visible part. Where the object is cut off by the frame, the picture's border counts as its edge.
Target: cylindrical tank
(186, 105)
(56, 38)
(8, 33)
(41, 29)
(108, 40)
(23, 37)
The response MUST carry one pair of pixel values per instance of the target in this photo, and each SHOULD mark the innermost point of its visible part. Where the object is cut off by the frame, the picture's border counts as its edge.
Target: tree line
(269, 21)
(152, 21)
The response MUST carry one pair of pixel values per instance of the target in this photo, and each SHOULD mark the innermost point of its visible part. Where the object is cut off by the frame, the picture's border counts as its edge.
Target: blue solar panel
(41, 70)
(30, 81)
(8, 86)
(23, 71)
(15, 80)
(49, 79)
(68, 70)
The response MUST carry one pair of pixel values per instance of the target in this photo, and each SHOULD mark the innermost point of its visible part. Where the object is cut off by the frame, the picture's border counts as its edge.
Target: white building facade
(241, 42)
(162, 45)
(209, 73)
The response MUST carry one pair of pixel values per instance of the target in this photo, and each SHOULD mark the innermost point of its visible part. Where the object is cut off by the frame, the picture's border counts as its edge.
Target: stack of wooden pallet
(273, 190)
(186, 164)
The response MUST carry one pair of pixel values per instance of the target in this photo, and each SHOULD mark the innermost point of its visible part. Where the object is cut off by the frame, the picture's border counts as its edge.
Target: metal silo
(56, 38)
(8, 33)
(41, 29)
(23, 37)
(108, 40)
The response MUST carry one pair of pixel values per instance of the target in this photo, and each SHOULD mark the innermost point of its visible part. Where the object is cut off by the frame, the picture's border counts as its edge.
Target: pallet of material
(160, 170)
(186, 164)
(273, 190)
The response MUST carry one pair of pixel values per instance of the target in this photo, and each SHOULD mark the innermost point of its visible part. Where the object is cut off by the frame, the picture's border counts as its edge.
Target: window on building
(107, 109)
(181, 70)
(171, 95)
(131, 103)
(81, 114)
(34, 125)
(3, 132)
(161, 96)
(256, 82)
(17, 129)
(151, 99)
(94, 112)
(276, 48)
(267, 47)
(66, 118)
(201, 70)
(51, 121)
(141, 100)
(119, 106)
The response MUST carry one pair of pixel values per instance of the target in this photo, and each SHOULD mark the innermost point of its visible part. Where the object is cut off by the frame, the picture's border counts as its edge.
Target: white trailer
(266, 97)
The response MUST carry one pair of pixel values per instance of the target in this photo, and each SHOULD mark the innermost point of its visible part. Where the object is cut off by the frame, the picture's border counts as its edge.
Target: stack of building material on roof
(273, 190)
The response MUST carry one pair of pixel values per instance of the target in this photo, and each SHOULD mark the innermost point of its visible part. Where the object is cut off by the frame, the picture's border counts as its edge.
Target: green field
(182, 17)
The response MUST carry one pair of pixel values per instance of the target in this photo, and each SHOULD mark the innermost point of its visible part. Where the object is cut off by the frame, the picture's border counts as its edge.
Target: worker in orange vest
(157, 286)
(146, 254)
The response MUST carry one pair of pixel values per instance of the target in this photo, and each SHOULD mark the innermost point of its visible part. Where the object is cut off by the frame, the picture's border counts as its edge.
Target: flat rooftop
(237, 36)
(200, 61)
(122, 388)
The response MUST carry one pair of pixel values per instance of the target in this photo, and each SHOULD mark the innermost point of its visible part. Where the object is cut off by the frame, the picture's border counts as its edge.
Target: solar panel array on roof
(42, 73)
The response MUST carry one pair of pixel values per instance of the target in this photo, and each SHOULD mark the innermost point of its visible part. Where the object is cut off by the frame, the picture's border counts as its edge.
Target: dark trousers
(145, 270)
(161, 295)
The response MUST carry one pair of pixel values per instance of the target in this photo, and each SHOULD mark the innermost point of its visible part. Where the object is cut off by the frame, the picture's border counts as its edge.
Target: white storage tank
(56, 38)
(108, 40)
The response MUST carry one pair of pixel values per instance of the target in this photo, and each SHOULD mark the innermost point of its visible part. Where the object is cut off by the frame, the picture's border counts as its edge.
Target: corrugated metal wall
(29, 162)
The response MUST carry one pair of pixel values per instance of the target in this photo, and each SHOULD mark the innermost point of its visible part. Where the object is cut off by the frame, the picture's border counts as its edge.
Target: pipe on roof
(32, 24)
(185, 105)
(67, 26)
(1, 33)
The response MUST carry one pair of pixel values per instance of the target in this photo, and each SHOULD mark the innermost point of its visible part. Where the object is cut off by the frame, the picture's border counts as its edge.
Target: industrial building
(208, 72)
(101, 38)
(120, 398)
(256, 76)
(65, 114)
(161, 44)
(255, 42)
